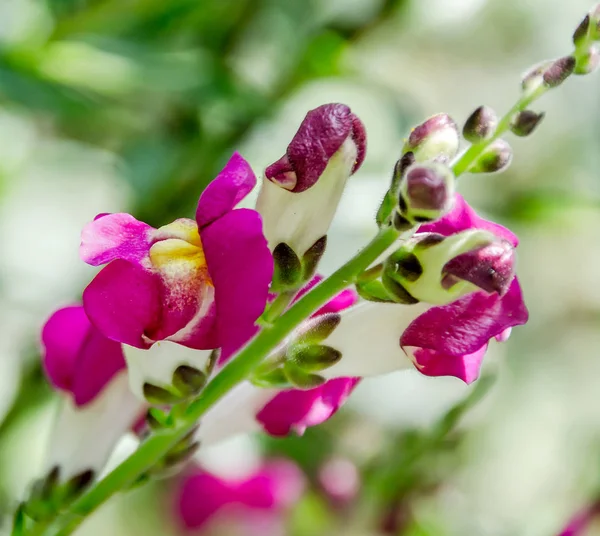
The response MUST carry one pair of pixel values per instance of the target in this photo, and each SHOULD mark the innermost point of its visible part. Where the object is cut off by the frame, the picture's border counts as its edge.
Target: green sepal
(161, 395)
(398, 293)
(188, 380)
(287, 268)
(311, 258)
(158, 420)
(274, 379)
(387, 207)
(318, 329)
(19, 525)
(374, 291)
(313, 357)
(300, 378)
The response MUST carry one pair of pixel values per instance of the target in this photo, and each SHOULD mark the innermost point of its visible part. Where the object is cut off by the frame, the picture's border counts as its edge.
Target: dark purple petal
(465, 325)
(123, 302)
(241, 267)
(465, 367)
(463, 217)
(320, 135)
(63, 336)
(231, 185)
(295, 409)
(115, 236)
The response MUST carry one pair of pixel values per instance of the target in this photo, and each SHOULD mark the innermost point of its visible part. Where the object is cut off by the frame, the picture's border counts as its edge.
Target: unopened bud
(581, 31)
(496, 157)
(490, 267)
(435, 269)
(480, 125)
(319, 328)
(534, 77)
(525, 122)
(426, 192)
(558, 71)
(588, 62)
(435, 139)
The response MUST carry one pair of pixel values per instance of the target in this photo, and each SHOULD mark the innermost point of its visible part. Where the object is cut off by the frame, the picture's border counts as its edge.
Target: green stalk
(155, 447)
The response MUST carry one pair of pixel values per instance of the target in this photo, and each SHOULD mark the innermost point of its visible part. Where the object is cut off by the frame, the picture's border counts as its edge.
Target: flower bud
(480, 125)
(435, 139)
(525, 122)
(301, 191)
(496, 157)
(436, 269)
(426, 192)
(558, 71)
(581, 31)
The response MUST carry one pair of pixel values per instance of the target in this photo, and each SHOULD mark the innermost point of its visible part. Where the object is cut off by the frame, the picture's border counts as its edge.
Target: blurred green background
(134, 105)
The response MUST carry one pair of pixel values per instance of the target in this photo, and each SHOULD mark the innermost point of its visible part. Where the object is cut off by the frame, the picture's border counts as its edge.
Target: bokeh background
(115, 105)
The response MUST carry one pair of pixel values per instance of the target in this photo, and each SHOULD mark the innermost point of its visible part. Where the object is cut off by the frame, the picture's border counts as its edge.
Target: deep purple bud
(490, 267)
(480, 125)
(558, 71)
(435, 139)
(426, 192)
(426, 188)
(321, 134)
(525, 122)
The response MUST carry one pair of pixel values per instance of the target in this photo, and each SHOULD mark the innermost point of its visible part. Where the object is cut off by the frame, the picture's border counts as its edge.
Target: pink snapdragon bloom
(98, 406)
(440, 340)
(255, 503)
(200, 283)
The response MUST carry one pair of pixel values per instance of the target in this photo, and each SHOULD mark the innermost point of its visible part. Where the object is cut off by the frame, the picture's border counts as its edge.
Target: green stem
(154, 448)
(472, 154)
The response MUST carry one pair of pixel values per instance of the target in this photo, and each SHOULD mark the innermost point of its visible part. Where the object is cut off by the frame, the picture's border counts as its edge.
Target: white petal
(234, 414)
(369, 339)
(300, 219)
(83, 438)
(157, 364)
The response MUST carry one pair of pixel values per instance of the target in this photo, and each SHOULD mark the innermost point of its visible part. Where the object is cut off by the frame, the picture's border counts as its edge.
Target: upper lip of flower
(320, 135)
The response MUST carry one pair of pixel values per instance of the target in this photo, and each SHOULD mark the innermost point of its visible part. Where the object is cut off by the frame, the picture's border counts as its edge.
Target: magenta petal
(241, 267)
(465, 367)
(115, 236)
(231, 185)
(295, 409)
(463, 217)
(62, 337)
(465, 325)
(100, 360)
(201, 496)
(123, 302)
